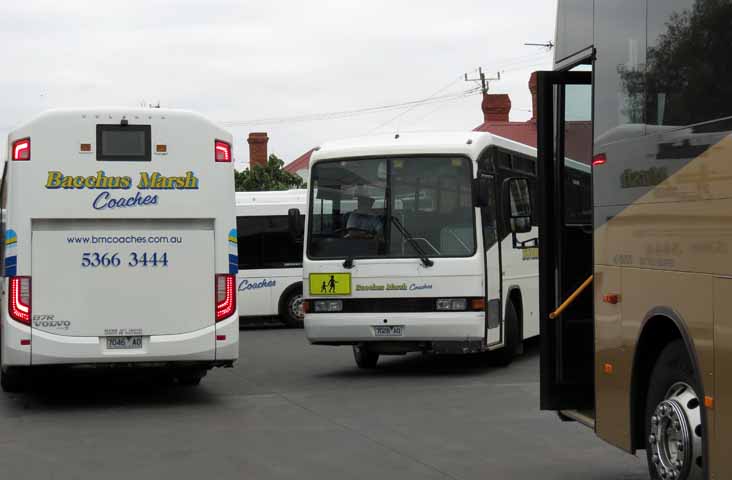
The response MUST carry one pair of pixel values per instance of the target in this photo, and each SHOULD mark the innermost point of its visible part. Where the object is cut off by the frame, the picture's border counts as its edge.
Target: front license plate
(124, 343)
(389, 331)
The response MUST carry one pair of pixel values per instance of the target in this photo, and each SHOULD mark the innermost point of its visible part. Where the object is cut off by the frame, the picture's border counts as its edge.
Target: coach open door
(564, 204)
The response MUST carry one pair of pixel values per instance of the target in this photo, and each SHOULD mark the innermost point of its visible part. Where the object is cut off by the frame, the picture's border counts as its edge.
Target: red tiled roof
(300, 163)
(521, 132)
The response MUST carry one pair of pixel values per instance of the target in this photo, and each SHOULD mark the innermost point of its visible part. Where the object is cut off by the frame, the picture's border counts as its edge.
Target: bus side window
(265, 242)
(490, 224)
(578, 198)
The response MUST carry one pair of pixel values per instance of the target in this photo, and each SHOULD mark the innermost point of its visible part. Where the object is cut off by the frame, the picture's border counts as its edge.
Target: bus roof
(111, 113)
(462, 143)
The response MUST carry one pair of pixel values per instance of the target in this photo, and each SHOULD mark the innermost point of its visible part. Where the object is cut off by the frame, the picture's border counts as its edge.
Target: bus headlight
(451, 304)
(327, 306)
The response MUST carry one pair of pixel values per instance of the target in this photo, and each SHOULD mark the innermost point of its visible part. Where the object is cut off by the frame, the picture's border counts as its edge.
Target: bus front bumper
(352, 328)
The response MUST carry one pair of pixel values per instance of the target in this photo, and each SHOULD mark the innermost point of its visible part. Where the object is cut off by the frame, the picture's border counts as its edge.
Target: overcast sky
(237, 61)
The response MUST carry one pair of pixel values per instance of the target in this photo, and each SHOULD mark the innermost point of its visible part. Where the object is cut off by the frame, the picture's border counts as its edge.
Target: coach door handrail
(571, 298)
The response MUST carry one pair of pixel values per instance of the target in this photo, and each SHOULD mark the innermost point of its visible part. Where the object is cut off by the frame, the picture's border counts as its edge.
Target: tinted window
(523, 164)
(503, 159)
(574, 27)
(490, 221)
(689, 68)
(129, 143)
(577, 197)
(620, 40)
(265, 242)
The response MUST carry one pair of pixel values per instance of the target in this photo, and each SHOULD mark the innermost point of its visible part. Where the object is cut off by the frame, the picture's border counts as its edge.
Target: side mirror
(482, 189)
(519, 210)
(294, 224)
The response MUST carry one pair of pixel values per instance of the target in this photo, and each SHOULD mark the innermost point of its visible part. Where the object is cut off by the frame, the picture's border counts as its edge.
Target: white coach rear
(120, 243)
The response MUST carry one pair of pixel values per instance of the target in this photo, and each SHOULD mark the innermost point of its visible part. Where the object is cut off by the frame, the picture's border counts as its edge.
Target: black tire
(11, 381)
(505, 355)
(190, 378)
(673, 394)
(364, 357)
(291, 312)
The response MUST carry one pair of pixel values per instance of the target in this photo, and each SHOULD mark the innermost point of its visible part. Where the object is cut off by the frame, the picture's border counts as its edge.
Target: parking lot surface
(293, 411)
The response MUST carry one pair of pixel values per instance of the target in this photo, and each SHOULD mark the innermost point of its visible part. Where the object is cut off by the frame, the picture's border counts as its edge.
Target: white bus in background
(269, 283)
(120, 244)
(406, 249)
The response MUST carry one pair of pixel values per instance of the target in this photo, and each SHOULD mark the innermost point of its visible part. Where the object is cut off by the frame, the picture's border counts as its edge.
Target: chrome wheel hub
(296, 309)
(675, 439)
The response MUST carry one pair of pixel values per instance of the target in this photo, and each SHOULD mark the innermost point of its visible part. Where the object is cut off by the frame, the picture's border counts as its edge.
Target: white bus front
(394, 259)
(120, 243)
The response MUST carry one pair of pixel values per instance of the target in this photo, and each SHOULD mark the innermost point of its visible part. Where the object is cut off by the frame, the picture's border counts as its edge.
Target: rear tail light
(19, 304)
(222, 151)
(599, 159)
(21, 149)
(225, 296)
(306, 306)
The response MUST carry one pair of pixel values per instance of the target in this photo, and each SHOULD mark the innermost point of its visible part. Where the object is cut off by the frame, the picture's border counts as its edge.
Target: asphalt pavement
(289, 410)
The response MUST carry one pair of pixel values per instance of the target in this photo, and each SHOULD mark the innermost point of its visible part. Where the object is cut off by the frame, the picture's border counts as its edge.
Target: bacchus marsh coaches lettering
(151, 181)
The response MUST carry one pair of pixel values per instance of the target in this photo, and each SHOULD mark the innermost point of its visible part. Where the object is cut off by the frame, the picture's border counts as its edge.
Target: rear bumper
(351, 328)
(50, 349)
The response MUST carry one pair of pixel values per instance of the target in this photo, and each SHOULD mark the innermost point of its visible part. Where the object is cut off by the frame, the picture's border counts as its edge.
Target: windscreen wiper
(415, 245)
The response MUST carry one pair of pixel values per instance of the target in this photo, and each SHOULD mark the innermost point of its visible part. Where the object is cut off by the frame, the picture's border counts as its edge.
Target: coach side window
(265, 242)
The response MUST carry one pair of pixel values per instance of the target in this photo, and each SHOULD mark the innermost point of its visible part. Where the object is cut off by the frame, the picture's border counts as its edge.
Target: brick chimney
(496, 107)
(533, 90)
(257, 148)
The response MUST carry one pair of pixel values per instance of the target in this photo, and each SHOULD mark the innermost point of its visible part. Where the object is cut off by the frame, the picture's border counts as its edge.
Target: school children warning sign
(330, 284)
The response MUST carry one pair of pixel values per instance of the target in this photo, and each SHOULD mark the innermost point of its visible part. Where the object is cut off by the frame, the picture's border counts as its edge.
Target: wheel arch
(514, 296)
(667, 324)
(286, 293)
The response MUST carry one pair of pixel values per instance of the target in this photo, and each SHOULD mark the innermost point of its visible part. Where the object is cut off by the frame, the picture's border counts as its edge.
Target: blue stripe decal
(11, 266)
(233, 264)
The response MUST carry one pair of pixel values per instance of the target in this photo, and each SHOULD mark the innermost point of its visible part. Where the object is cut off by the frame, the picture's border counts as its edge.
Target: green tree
(267, 177)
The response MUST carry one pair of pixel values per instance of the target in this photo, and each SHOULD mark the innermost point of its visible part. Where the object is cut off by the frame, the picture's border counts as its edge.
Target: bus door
(493, 267)
(564, 203)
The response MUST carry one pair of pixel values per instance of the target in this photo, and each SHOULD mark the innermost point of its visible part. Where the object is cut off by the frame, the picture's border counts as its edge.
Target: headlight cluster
(327, 306)
(451, 304)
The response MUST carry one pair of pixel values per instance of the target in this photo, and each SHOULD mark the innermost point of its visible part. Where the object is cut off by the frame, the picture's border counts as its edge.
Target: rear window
(123, 143)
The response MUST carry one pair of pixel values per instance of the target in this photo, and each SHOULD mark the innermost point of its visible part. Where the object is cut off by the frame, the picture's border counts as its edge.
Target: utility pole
(484, 82)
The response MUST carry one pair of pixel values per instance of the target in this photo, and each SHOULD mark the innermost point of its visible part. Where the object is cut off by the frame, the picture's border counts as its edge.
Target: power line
(401, 114)
(350, 113)
(509, 65)
(430, 112)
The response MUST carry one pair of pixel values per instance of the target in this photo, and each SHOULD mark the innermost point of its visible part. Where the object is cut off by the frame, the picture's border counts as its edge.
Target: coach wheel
(674, 443)
(505, 355)
(291, 310)
(364, 357)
